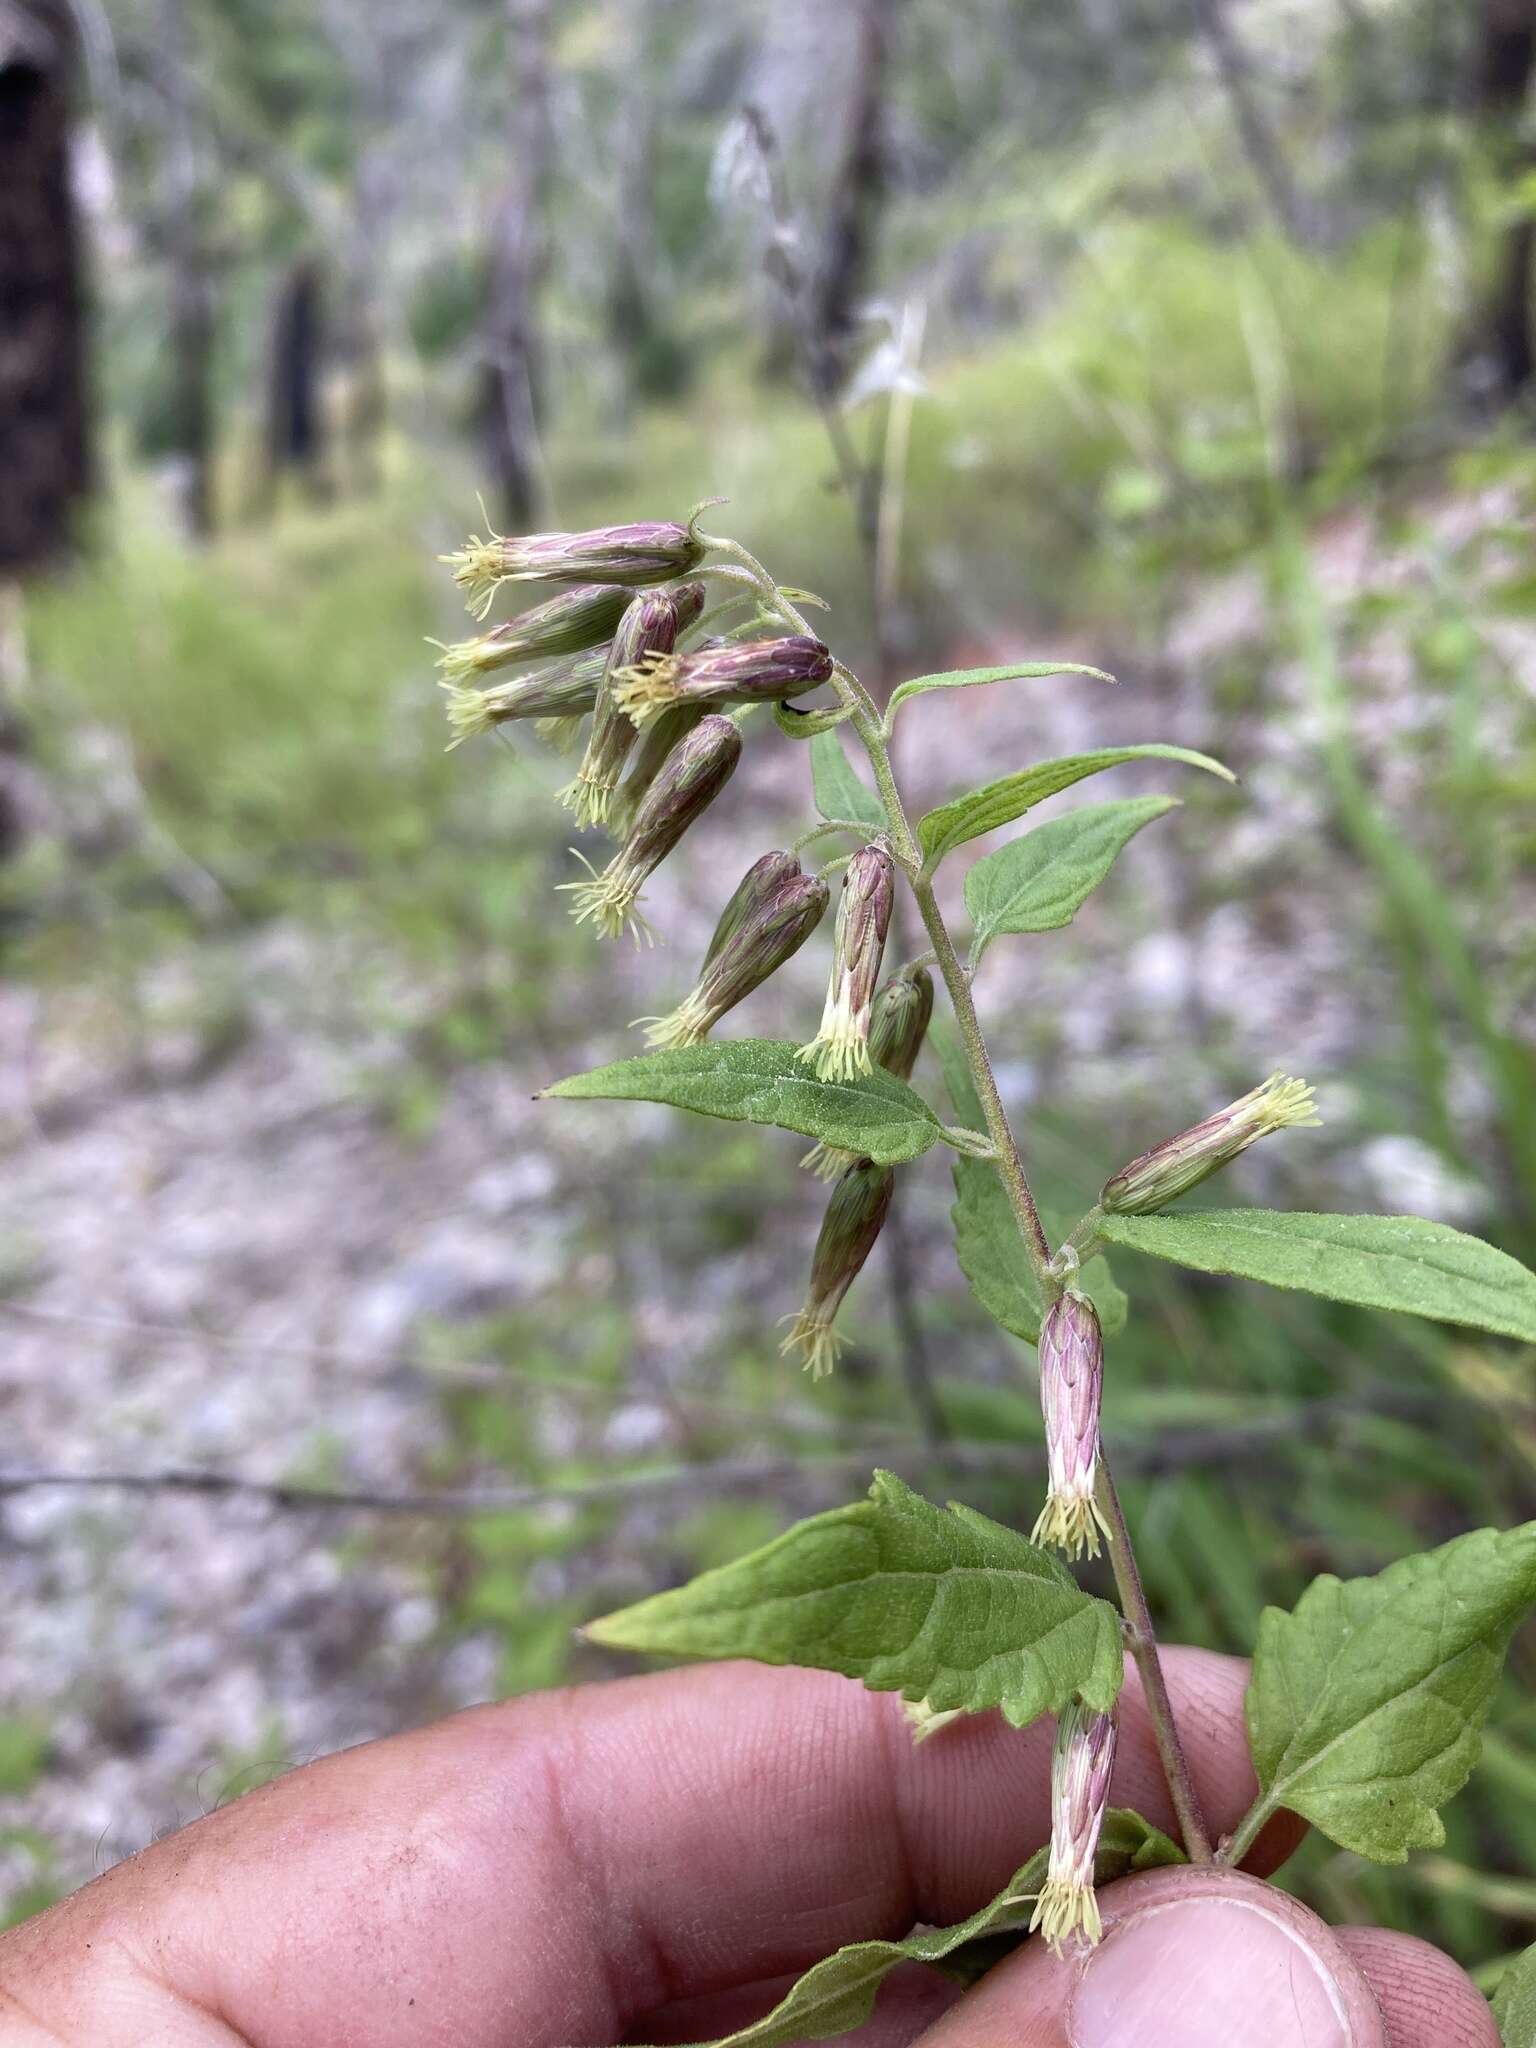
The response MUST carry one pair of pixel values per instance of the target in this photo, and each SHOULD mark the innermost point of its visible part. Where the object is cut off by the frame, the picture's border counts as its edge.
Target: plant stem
(1244, 1835)
(1141, 1638)
(1142, 1644)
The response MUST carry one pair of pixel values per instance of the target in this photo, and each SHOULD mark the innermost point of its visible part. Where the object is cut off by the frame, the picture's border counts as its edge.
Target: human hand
(653, 1860)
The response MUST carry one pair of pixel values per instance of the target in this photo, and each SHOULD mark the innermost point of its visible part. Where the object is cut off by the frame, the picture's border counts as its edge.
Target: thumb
(1189, 1959)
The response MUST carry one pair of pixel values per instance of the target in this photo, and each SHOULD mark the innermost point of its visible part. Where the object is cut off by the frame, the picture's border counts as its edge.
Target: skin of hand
(654, 1860)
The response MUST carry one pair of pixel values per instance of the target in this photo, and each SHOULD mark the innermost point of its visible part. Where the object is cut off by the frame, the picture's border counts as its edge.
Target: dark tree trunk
(631, 306)
(44, 440)
(190, 291)
(1504, 60)
(855, 199)
(511, 379)
(295, 423)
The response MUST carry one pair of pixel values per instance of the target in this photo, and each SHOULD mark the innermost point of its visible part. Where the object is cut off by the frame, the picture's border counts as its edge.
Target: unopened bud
(727, 672)
(567, 624)
(1081, 1765)
(769, 918)
(1179, 1164)
(656, 744)
(840, 1049)
(847, 1237)
(898, 1024)
(650, 626)
(563, 692)
(1071, 1387)
(647, 552)
(690, 779)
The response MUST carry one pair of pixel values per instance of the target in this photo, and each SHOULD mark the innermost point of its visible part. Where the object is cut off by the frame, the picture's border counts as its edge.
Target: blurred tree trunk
(631, 306)
(855, 199)
(510, 395)
(1261, 145)
(294, 438)
(44, 437)
(1503, 64)
(190, 295)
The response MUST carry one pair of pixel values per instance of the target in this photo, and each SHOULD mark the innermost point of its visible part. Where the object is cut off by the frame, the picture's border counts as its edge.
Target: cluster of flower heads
(625, 642)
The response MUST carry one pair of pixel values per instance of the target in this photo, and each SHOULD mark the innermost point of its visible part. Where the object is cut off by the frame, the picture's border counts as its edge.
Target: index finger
(546, 1871)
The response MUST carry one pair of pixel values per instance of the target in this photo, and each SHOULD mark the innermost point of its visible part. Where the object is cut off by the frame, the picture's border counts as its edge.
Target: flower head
(567, 624)
(898, 1023)
(847, 1237)
(840, 1049)
(649, 626)
(648, 551)
(775, 909)
(562, 692)
(690, 779)
(1179, 1164)
(1071, 1384)
(656, 744)
(1081, 1764)
(727, 672)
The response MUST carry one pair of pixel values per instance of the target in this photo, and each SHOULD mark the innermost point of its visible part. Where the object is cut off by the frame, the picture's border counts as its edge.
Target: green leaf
(1514, 2003)
(987, 1241)
(936, 1604)
(968, 678)
(760, 1081)
(839, 1993)
(1393, 1262)
(838, 791)
(1366, 1704)
(1039, 883)
(999, 803)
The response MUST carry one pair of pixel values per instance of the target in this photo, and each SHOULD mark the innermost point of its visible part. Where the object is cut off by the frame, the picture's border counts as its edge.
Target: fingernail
(1209, 1973)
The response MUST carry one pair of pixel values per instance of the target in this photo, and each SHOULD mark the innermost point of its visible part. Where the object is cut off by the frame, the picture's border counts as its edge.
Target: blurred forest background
(1189, 338)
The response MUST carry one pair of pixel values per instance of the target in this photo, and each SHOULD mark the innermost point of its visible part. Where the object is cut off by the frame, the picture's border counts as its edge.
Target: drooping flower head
(1071, 1387)
(773, 912)
(898, 1024)
(650, 626)
(656, 743)
(1179, 1164)
(568, 624)
(840, 1049)
(565, 690)
(1081, 1764)
(690, 779)
(648, 551)
(847, 1237)
(726, 672)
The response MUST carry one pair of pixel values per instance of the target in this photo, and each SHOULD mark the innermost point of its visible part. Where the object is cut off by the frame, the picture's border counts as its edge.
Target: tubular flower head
(848, 1232)
(1179, 1164)
(840, 1049)
(1071, 1383)
(691, 777)
(898, 1024)
(567, 624)
(656, 743)
(647, 552)
(726, 672)
(649, 626)
(561, 693)
(1081, 1764)
(770, 918)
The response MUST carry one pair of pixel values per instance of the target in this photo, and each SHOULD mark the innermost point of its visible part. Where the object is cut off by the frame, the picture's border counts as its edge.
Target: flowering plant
(1367, 1700)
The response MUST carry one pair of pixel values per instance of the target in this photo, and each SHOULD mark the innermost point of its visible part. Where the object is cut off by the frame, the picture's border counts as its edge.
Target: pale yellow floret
(587, 798)
(817, 1342)
(840, 1049)
(688, 1024)
(1067, 1911)
(646, 690)
(827, 1162)
(469, 711)
(608, 901)
(477, 568)
(559, 733)
(1071, 1522)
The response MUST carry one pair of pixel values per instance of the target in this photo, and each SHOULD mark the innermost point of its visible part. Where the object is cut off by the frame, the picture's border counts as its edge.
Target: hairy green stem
(1246, 1833)
(1141, 1637)
(1141, 1641)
